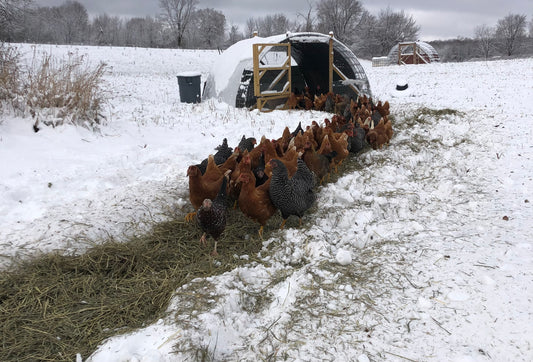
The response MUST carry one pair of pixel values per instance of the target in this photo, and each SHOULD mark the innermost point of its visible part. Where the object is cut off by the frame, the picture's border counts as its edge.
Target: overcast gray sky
(441, 19)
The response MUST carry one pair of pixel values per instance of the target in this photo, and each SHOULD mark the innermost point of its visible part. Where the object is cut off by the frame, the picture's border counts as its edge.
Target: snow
(189, 74)
(407, 256)
(228, 68)
(343, 257)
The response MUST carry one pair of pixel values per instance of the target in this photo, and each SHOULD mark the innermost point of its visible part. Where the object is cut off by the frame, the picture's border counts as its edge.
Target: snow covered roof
(427, 53)
(226, 75)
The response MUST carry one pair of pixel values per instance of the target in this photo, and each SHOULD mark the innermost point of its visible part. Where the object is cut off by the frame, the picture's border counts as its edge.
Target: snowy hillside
(420, 251)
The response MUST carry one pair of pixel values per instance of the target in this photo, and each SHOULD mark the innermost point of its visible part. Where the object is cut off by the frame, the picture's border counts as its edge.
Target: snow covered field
(422, 251)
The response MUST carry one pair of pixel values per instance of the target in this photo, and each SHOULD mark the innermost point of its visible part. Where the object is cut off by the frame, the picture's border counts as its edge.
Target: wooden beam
(255, 49)
(331, 61)
(284, 72)
(344, 77)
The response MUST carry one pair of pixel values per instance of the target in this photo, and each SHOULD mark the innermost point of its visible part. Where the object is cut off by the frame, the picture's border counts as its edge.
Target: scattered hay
(423, 115)
(55, 306)
(437, 113)
(426, 116)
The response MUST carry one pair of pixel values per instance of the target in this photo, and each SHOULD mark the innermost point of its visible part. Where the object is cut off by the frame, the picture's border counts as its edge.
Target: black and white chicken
(211, 216)
(292, 196)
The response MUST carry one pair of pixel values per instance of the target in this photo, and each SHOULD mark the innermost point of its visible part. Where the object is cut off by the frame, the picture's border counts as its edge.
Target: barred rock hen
(291, 196)
(247, 144)
(357, 141)
(297, 130)
(223, 152)
(211, 216)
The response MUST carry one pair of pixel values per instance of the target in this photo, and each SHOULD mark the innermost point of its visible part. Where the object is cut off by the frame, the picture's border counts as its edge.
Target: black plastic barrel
(189, 84)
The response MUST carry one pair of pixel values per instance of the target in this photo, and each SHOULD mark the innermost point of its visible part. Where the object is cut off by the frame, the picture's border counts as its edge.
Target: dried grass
(10, 73)
(53, 91)
(57, 305)
(424, 115)
(65, 91)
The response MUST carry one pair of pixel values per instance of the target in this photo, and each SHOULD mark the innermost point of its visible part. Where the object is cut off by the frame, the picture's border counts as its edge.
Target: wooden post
(331, 61)
(281, 73)
(256, 51)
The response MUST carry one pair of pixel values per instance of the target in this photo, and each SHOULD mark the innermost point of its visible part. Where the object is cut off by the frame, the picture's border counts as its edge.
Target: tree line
(181, 24)
(511, 36)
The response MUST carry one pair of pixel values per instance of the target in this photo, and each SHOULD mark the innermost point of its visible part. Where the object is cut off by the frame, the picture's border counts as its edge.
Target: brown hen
(339, 144)
(204, 186)
(254, 202)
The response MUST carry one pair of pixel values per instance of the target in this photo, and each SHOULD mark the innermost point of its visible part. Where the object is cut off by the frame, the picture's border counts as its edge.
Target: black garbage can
(189, 84)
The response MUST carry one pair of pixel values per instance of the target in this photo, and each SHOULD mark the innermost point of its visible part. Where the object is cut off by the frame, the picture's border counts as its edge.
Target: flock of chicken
(282, 174)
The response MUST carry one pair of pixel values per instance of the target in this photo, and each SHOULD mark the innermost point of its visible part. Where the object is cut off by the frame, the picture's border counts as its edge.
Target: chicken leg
(203, 239)
(214, 252)
(190, 216)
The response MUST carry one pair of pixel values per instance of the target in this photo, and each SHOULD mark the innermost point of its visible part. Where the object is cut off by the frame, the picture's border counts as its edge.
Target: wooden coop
(262, 72)
(413, 53)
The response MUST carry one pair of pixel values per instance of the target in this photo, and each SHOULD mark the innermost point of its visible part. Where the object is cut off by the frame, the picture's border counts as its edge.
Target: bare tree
(308, 18)
(269, 25)
(339, 16)
(251, 26)
(142, 32)
(510, 32)
(177, 15)
(209, 28)
(265, 26)
(485, 36)
(365, 43)
(11, 17)
(394, 27)
(280, 24)
(72, 22)
(37, 25)
(531, 27)
(234, 35)
(107, 30)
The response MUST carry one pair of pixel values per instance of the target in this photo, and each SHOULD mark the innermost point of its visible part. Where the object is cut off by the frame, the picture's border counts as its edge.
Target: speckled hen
(292, 196)
(211, 216)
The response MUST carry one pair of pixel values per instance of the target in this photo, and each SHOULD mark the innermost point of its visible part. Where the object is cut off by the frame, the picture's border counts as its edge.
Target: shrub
(10, 78)
(54, 91)
(65, 91)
